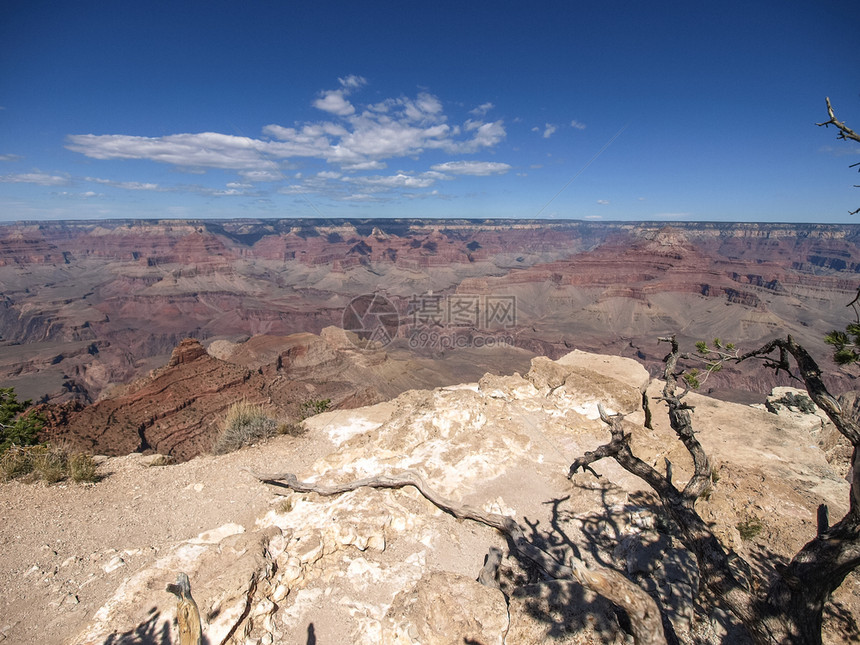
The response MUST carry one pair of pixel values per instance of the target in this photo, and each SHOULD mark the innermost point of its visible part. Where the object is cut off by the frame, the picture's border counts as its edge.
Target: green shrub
(245, 424)
(749, 528)
(17, 426)
(312, 407)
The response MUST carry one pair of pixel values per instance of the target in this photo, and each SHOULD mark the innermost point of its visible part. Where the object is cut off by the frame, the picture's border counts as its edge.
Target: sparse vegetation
(18, 427)
(21, 454)
(82, 468)
(245, 424)
(749, 528)
(313, 407)
(47, 462)
(292, 429)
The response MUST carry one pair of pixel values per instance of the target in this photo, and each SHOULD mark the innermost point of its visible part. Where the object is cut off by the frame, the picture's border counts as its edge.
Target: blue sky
(623, 111)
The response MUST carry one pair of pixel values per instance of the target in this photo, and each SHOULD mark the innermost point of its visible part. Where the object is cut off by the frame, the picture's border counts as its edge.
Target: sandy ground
(57, 542)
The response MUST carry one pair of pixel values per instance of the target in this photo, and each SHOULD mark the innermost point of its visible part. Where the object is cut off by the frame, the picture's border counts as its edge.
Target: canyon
(92, 311)
(460, 350)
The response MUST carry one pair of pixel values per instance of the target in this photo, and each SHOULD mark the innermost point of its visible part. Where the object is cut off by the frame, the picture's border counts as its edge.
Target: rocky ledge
(387, 566)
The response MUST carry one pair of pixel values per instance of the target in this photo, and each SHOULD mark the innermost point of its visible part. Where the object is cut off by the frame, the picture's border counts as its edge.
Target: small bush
(15, 462)
(245, 424)
(292, 429)
(313, 407)
(51, 463)
(18, 427)
(715, 474)
(749, 528)
(82, 468)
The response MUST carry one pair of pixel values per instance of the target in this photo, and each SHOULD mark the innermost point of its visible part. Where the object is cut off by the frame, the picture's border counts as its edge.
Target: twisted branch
(644, 615)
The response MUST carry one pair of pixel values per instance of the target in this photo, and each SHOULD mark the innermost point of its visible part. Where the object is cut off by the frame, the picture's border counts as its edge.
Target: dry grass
(245, 424)
(292, 429)
(82, 468)
(47, 462)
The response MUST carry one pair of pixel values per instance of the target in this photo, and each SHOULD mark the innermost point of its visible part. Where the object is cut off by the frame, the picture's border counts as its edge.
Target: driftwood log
(644, 615)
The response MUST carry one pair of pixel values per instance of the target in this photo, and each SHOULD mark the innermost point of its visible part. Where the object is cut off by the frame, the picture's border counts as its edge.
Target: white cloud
(577, 125)
(10, 157)
(352, 81)
(593, 217)
(549, 130)
(360, 197)
(400, 180)
(355, 139)
(333, 101)
(364, 165)
(85, 195)
(673, 215)
(206, 149)
(41, 178)
(603, 202)
(127, 185)
(486, 135)
(482, 109)
(475, 168)
(261, 175)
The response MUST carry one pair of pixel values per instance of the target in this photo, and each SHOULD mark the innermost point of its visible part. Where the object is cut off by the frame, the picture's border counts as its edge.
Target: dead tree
(640, 607)
(790, 609)
(845, 133)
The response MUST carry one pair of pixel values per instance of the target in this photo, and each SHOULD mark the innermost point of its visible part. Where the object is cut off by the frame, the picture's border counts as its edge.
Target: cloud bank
(351, 138)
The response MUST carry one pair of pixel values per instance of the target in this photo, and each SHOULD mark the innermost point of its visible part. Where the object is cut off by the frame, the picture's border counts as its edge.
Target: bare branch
(844, 131)
(644, 615)
(724, 573)
(810, 374)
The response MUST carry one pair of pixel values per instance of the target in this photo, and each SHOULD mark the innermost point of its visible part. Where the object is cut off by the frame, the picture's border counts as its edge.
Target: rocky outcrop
(178, 409)
(386, 566)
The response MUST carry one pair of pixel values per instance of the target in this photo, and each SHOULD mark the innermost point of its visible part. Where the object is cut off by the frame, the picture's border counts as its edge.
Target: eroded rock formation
(133, 290)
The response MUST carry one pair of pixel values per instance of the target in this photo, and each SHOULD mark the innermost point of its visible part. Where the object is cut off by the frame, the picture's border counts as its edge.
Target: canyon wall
(89, 304)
